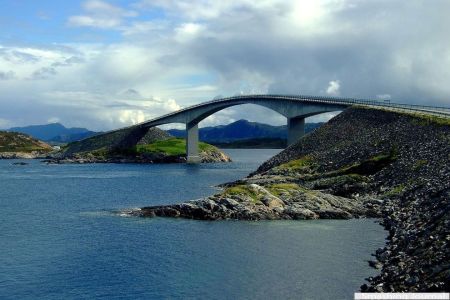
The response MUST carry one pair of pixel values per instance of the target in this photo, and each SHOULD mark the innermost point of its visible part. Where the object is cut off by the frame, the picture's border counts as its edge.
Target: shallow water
(60, 239)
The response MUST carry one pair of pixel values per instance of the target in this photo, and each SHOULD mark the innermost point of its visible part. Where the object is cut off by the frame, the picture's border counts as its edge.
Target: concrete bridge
(294, 108)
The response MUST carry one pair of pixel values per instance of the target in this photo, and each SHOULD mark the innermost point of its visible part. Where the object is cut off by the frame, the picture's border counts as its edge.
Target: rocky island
(14, 145)
(133, 145)
(363, 163)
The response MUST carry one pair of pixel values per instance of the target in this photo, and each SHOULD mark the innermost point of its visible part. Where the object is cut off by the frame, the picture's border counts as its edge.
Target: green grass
(297, 164)
(241, 189)
(278, 189)
(371, 165)
(419, 164)
(420, 118)
(423, 119)
(395, 191)
(172, 147)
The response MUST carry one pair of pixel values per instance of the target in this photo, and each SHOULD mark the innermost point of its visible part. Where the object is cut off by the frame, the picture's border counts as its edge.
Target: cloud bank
(175, 53)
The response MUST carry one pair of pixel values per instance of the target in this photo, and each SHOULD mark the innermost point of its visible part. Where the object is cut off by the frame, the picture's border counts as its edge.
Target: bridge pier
(192, 155)
(296, 129)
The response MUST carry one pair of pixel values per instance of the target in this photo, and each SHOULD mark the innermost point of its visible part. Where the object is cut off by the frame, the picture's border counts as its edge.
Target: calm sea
(60, 240)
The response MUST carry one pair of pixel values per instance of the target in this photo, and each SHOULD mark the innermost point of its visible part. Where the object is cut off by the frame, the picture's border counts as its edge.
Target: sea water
(60, 238)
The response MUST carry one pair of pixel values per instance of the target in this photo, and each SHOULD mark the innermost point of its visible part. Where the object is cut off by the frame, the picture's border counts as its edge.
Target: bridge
(294, 107)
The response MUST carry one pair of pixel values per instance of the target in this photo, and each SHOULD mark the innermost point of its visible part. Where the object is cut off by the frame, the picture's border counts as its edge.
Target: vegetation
(168, 147)
(278, 189)
(395, 191)
(419, 164)
(371, 165)
(297, 164)
(19, 142)
(339, 180)
(241, 189)
(172, 146)
(420, 118)
(424, 119)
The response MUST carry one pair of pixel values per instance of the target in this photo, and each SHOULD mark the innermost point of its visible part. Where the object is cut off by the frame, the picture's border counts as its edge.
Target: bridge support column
(192, 143)
(296, 129)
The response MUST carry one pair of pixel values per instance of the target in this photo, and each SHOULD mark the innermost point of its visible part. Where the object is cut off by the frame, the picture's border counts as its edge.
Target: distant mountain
(242, 130)
(55, 132)
(258, 143)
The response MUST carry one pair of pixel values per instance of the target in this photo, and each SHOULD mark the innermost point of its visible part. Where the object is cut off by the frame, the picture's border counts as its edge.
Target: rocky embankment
(133, 145)
(363, 163)
(23, 155)
(211, 156)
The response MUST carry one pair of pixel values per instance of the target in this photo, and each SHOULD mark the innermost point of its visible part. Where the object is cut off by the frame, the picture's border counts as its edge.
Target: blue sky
(104, 64)
(44, 22)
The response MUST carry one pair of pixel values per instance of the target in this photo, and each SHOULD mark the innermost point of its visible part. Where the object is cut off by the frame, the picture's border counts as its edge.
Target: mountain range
(240, 134)
(241, 130)
(55, 132)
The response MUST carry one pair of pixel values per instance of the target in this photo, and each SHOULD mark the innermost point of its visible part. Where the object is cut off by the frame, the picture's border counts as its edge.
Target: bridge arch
(293, 108)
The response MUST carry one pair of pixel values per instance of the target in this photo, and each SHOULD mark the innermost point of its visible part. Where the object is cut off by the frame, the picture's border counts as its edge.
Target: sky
(107, 64)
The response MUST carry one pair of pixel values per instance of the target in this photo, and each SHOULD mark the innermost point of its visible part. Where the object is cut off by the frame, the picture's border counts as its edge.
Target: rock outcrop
(258, 202)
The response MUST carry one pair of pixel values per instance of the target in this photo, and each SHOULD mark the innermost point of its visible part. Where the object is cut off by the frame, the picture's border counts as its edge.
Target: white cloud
(100, 14)
(333, 88)
(92, 21)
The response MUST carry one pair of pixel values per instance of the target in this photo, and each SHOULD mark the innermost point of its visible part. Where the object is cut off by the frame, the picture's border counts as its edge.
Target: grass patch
(297, 164)
(278, 189)
(395, 191)
(419, 118)
(171, 147)
(340, 180)
(241, 189)
(371, 165)
(419, 164)
(423, 119)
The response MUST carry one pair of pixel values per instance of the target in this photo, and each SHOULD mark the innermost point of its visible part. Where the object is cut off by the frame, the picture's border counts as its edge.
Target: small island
(131, 145)
(15, 145)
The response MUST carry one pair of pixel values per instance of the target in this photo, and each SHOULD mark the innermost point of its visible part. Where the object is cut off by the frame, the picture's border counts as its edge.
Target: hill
(54, 132)
(243, 130)
(17, 145)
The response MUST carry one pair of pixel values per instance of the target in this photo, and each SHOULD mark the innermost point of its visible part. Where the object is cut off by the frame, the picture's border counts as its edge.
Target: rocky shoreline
(277, 200)
(23, 155)
(89, 158)
(363, 163)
